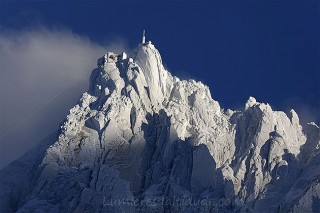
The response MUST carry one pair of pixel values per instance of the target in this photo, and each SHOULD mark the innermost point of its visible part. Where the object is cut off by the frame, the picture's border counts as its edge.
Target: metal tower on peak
(143, 37)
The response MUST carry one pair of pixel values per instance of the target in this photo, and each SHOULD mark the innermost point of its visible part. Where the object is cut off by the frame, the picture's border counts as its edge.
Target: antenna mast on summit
(143, 37)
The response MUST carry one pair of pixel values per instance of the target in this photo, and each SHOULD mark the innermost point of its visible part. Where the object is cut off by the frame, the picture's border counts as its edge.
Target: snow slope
(142, 140)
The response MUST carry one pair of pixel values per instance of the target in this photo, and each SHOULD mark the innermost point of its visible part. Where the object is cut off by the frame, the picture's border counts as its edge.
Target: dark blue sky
(269, 50)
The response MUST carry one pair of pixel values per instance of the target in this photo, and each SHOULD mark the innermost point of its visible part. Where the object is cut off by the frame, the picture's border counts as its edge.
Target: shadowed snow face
(43, 73)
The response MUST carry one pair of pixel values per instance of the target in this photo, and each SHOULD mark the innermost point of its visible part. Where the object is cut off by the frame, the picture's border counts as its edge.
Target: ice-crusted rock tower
(142, 140)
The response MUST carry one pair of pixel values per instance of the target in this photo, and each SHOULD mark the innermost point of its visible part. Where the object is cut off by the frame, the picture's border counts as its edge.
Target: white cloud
(43, 73)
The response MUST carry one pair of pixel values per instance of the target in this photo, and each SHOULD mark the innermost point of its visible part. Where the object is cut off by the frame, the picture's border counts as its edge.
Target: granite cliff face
(142, 140)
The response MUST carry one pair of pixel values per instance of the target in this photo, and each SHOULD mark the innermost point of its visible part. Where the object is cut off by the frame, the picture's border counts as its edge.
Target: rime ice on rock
(140, 133)
(251, 102)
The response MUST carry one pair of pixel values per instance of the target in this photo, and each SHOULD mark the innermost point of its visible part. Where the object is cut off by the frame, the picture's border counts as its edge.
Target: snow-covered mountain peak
(140, 134)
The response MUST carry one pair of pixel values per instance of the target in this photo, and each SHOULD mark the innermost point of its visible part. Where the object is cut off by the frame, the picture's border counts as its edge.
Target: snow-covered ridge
(140, 133)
